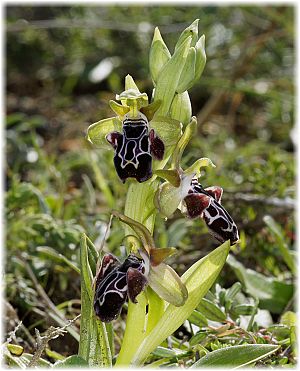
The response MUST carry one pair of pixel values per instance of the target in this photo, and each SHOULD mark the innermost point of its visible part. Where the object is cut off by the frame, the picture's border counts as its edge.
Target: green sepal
(119, 109)
(130, 84)
(157, 256)
(167, 199)
(169, 130)
(159, 55)
(167, 284)
(172, 176)
(188, 134)
(97, 132)
(190, 31)
(181, 108)
(196, 167)
(187, 76)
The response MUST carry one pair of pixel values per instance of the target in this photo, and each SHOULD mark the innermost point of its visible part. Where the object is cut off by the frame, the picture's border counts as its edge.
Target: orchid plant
(148, 140)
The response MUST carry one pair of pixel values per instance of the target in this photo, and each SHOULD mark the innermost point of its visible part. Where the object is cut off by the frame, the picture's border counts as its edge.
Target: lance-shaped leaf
(159, 55)
(181, 108)
(198, 280)
(236, 356)
(97, 132)
(169, 130)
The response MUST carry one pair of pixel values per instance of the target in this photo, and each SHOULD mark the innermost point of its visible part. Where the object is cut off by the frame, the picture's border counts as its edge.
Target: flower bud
(159, 55)
(169, 77)
(188, 72)
(181, 108)
(192, 31)
(200, 57)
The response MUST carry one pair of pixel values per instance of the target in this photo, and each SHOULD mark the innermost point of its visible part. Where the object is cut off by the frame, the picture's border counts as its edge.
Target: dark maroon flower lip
(206, 204)
(115, 282)
(134, 149)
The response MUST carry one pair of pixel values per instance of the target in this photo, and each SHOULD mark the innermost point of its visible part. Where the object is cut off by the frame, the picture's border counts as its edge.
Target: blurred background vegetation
(63, 64)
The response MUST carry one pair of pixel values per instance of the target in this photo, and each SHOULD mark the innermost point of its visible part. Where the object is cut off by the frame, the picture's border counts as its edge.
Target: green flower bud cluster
(173, 75)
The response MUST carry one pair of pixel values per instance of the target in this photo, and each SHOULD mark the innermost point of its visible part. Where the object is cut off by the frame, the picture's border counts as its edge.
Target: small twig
(42, 341)
(12, 334)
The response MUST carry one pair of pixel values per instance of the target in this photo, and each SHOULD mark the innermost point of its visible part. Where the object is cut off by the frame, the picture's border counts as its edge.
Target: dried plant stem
(42, 341)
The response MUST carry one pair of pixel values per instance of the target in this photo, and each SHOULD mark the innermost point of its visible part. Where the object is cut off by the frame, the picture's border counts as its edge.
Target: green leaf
(198, 279)
(236, 356)
(72, 361)
(96, 133)
(188, 73)
(273, 294)
(278, 233)
(211, 311)
(198, 319)
(169, 130)
(172, 176)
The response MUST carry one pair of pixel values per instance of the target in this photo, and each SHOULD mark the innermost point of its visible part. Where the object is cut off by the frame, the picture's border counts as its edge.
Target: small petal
(196, 167)
(98, 131)
(119, 109)
(157, 147)
(167, 284)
